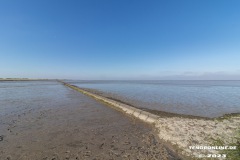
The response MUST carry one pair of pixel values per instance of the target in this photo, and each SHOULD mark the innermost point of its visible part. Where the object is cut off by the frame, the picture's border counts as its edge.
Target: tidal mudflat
(48, 121)
(184, 131)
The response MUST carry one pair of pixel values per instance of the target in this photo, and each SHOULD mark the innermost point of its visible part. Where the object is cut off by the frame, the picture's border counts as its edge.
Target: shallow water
(47, 120)
(199, 98)
(19, 95)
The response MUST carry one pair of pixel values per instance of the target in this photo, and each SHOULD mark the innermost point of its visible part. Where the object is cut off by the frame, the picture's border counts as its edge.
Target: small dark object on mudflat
(1, 138)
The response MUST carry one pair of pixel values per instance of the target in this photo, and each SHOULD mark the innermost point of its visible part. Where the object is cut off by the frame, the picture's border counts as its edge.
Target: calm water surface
(17, 96)
(200, 98)
(43, 120)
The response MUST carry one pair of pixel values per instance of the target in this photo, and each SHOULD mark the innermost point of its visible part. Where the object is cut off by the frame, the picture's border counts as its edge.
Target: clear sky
(120, 39)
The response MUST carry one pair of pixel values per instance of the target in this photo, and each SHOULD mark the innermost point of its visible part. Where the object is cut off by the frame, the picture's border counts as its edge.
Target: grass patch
(227, 116)
(231, 154)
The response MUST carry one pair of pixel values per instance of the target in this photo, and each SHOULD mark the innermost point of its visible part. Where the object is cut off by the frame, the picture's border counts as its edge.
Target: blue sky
(120, 39)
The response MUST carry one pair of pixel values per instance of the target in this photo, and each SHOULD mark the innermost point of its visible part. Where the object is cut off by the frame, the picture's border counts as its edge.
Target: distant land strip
(25, 79)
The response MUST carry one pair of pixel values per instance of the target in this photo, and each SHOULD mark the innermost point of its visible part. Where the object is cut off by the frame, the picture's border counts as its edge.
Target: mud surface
(183, 131)
(78, 127)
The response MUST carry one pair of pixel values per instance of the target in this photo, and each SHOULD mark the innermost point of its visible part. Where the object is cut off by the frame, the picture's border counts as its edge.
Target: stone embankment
(180, 131)
(138, 113)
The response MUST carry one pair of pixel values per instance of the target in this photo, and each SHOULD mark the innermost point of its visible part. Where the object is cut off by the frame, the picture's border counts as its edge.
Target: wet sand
(77, 128)
(183, 131)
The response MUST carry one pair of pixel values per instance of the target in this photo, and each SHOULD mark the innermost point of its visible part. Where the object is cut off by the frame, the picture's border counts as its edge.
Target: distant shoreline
(25, 79)
(32, 79)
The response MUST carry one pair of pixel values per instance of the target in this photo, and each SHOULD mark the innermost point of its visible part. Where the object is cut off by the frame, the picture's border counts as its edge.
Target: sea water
(198, 98)
(18, 96)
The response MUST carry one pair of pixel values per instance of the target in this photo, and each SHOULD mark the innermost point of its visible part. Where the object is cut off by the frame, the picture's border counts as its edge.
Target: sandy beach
(77, 128)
